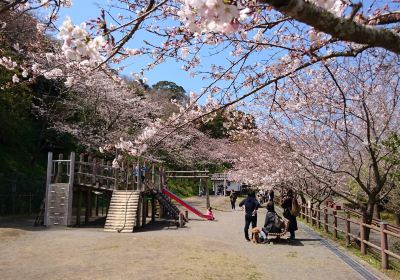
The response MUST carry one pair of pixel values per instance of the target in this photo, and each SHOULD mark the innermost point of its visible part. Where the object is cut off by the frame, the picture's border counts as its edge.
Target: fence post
(307, 212)
(80, 169)
(70, 189)
(384, 246)
(94, 171)
(109, 174)
(312, 215)
(326, 220)
(347, 228)
(101, 171)
(139, 175)
(318, 217)
(116, 180)
(48, 182)
(335, 231)
(153, 208)
(153, 174)
(88, 177)
(362, 236)
(144, 210)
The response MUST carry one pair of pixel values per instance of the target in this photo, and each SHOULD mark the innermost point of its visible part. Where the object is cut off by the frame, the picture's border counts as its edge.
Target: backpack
(295, 211)
(277, 221)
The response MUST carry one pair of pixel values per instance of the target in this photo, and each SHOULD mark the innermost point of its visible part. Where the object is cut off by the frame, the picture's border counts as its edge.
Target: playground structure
(128, 193)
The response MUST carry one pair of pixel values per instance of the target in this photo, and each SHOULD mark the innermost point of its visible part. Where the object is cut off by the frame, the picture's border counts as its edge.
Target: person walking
(251, 206)
(233, 198)
(287, 207)
(271, 196)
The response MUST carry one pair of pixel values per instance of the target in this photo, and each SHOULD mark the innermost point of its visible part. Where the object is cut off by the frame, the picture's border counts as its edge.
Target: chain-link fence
(20, 195)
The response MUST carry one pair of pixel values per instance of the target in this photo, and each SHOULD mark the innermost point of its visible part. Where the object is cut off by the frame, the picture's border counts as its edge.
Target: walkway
(202, 250)
(310, 257)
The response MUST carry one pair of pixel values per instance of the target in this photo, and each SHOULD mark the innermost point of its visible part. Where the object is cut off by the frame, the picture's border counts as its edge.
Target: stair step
(117, 220)
(119, 226)
(123, 192)
(118, 215)
(126, 195)
(123, 215)
(120, 223)
(113, 215)
(124, 201)
(122, 210)
(122, 231)
(123, 207)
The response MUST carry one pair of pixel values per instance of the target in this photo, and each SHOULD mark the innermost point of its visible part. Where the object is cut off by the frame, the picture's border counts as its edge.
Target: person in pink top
(210, 214)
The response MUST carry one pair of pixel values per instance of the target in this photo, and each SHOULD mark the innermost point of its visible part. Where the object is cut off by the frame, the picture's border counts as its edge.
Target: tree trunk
(397, 216)
(303, 199)
(377, 212)
(368, 213)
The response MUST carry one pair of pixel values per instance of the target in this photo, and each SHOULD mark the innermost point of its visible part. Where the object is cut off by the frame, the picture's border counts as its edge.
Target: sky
(83, 10)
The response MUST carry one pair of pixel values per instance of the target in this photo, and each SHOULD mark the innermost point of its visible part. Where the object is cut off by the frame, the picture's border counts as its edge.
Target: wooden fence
(331, 222)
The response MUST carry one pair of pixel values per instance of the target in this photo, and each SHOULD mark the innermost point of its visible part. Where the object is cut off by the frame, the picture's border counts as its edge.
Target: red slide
(185, 204)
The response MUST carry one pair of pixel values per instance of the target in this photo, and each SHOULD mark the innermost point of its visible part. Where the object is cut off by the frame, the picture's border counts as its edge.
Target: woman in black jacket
(287, 207)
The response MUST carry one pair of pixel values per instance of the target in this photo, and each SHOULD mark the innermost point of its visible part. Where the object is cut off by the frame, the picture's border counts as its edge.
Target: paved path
(202, 250)
(307, 258)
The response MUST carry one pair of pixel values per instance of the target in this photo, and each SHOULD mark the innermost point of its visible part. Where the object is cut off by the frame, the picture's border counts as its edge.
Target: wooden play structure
(128, 194)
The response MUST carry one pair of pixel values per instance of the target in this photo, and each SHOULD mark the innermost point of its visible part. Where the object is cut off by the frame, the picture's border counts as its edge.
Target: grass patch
(388, 217)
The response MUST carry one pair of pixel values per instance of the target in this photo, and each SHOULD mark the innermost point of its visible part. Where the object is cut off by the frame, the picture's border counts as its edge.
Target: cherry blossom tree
(312, 72)
(334, 121)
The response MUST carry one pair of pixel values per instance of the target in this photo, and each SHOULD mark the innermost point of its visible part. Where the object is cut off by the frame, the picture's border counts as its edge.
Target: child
(210, 214)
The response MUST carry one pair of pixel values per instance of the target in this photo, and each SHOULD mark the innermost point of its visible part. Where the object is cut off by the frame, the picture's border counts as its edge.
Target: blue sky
(83, 10)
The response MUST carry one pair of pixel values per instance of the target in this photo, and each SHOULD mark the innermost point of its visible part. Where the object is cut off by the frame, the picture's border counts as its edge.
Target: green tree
(171, 91)
(393, 189)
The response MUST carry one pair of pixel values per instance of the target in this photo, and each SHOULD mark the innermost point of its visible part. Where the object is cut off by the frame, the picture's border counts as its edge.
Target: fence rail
(393, 228)
(322, 218)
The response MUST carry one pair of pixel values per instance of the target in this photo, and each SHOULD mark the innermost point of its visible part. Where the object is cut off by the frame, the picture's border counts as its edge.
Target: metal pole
(48, 182)
(68, 221)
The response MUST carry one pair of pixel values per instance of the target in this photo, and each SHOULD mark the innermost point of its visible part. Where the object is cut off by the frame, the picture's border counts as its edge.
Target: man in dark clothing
(251, 206)
(271, 196)
(287, 207)
(233, 198)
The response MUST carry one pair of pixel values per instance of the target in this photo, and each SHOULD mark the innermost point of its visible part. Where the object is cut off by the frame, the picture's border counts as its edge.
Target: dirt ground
(200, 250)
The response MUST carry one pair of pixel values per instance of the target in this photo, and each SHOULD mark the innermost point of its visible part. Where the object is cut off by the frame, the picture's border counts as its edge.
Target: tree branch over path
(341, 28)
